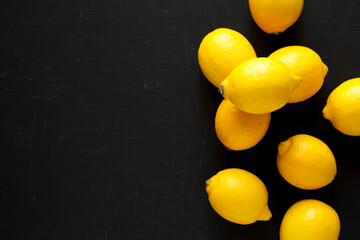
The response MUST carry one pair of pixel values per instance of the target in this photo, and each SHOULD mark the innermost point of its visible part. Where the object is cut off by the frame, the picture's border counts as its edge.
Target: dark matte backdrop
(107, 123)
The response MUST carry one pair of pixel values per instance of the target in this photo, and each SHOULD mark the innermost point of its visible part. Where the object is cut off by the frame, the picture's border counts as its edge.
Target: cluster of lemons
(252, 88)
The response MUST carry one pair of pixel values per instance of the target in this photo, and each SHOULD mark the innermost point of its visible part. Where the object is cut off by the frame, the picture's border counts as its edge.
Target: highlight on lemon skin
(239, 130)
(221, 51)
(343, 107)
(275, 16)
(311, 220)
(308, 65)
(306, 162)
(260, 85)
(238, 196)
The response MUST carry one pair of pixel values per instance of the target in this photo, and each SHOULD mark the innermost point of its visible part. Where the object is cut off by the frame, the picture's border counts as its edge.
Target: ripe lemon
(238, 196)
(260, 85)
(221, 51)
(275, 16)
(238, 130)
(343, 107)
(305, 63)
(310, 220)
(306, 162)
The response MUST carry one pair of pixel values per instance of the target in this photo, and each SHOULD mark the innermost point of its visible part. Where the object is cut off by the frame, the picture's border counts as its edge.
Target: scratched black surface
(106, 122)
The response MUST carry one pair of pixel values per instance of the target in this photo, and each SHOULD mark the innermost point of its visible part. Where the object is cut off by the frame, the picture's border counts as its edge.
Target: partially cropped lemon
(260, 85)
(305, 63)
(310, 220)
(238, 196)
(343, 107)
(239, 130)
(221, 51)
(275, 16)
(306, 162)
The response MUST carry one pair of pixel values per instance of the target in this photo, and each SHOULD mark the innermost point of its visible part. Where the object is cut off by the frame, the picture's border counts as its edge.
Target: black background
(107, 123)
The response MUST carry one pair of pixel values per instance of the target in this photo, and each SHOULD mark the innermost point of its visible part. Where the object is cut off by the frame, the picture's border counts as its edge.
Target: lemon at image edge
(275, 16)
(238, 196)
(221, 51)
(305, 63)
(310, 219)
(306, 162)
(239, 130)
(342, 108)
(260, 85)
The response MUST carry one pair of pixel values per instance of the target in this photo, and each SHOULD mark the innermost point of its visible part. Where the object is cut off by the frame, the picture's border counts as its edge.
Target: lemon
(260, 85)
(310, 220)
(238, 130)
(343, 107)
(305, 63)
(275, 16)
(306, 162)
(221, 51)
(238, 196)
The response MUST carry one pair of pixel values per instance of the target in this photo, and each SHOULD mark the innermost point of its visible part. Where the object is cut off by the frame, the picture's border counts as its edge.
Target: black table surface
(107, 123)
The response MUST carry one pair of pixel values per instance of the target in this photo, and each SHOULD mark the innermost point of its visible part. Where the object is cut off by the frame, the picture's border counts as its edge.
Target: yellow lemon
(238, 196)
(238, 130)
(343, 107)
(275, 16)
(306, 162)
(260, 85)
(310, 220)
(305, 63)
(221, 51)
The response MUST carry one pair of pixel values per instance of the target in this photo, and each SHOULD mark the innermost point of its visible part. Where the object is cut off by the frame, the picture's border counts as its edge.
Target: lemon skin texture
(275, 16)
(238, 196)
(221, 51)
(343, 107)
(239, 130)
(310, 220)
(260, 85)
(306, 162)
(305, 63)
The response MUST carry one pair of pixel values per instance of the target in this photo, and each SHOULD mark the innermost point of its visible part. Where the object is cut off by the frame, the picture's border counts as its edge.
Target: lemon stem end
(283, 147)
(265, 215)
(326, 69)
(221, 90)
(326, 113)
(207, 183)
